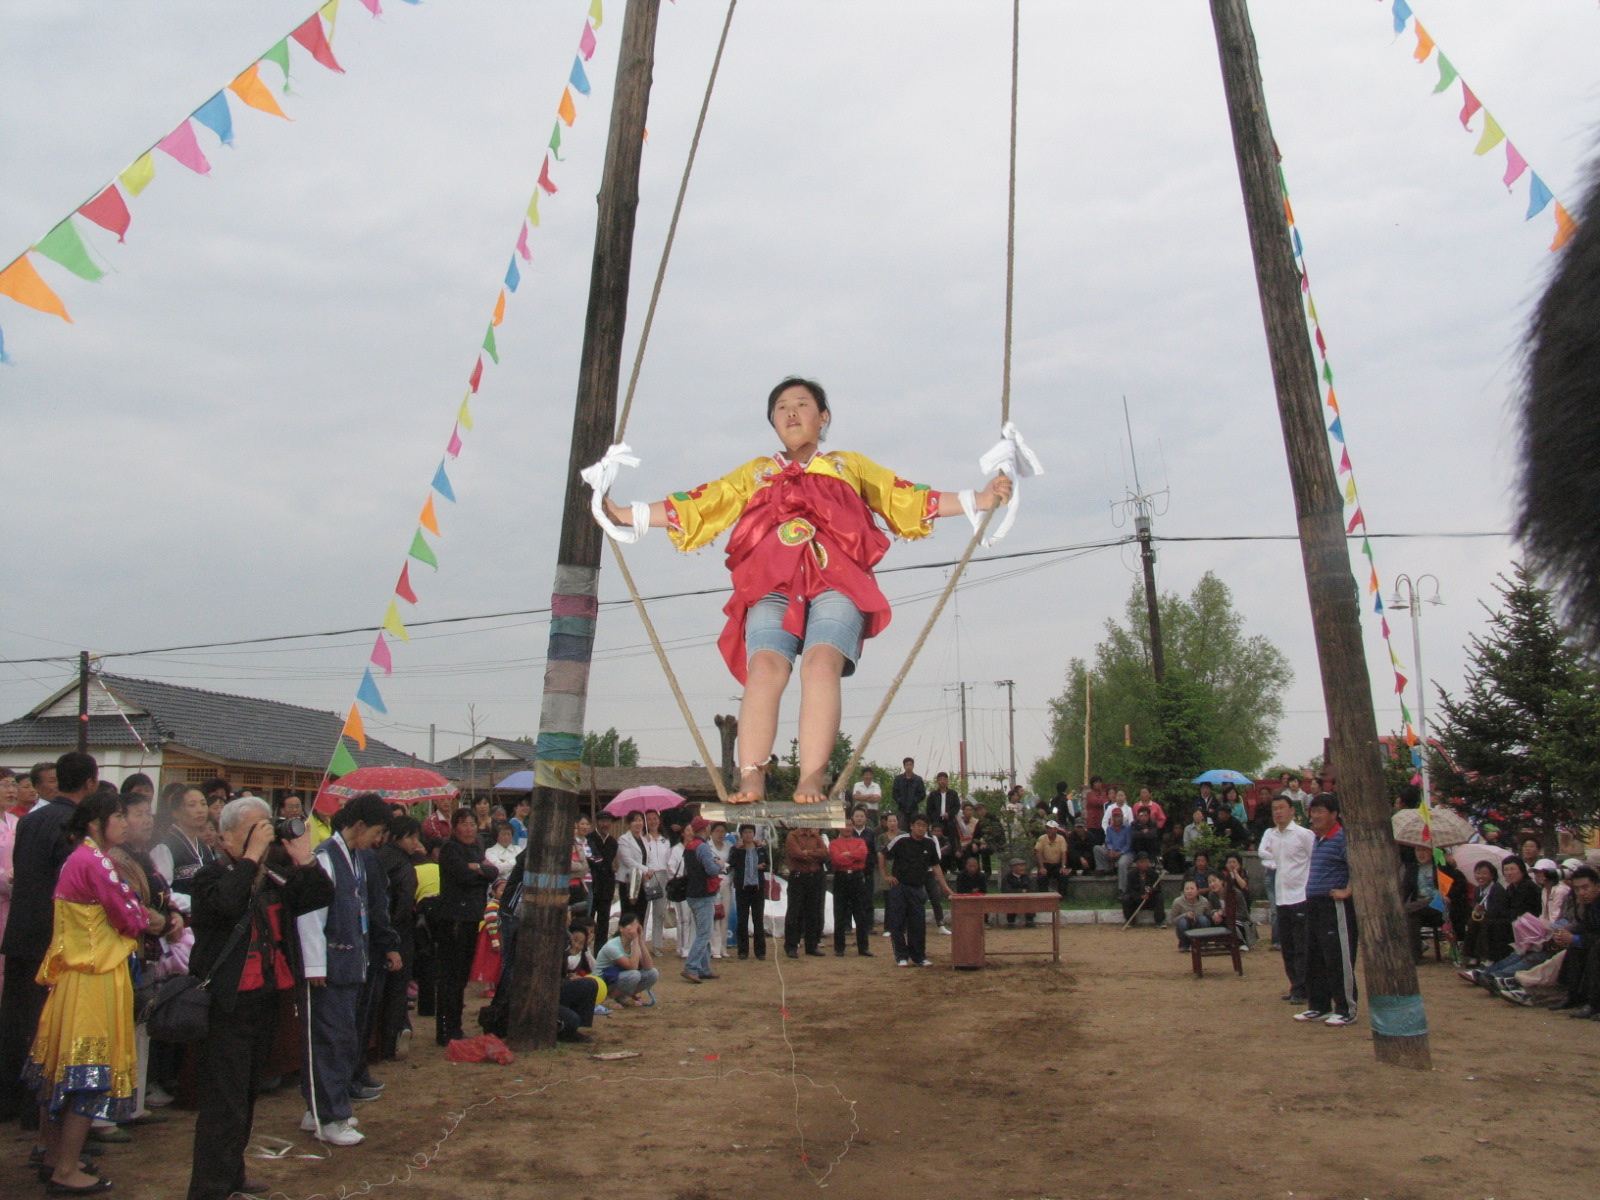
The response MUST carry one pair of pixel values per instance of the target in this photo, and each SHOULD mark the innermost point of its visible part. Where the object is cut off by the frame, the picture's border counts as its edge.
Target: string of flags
(1352, 493)
(64, 244)
(1490, 135)
(381, 659)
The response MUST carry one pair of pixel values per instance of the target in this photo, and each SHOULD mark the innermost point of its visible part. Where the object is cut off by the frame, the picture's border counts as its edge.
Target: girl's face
(504, 836)
(797, 418)
(193, 811)
(113, 830)
(8, 791)
(1484, 874)
(1191, 890)
(652, 822)
(584, 827)
(1513, 871)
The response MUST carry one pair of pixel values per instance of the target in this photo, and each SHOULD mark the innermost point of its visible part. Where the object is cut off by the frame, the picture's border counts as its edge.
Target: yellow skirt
(84, 1052)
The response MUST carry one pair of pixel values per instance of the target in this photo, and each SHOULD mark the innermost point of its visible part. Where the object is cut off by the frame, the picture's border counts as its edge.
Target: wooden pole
(1088, 708)
(542, 918)
(1399, 1024)
(83, 702)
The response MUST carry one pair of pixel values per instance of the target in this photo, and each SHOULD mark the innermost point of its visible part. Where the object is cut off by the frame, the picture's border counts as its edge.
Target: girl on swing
(801, 555)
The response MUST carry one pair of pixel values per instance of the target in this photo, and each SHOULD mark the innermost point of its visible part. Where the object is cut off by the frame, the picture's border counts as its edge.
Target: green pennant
(555, 142)
(1405, 713)
(63, 245)
(1366, 548)
(280, 54)
(1447, 74)
(1327, 372)
(343, 761)
(489, 346)
(422, 552)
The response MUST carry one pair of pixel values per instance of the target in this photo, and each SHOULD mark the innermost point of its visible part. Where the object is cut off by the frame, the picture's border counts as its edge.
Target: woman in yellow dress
(805, 540)
(84, 1057)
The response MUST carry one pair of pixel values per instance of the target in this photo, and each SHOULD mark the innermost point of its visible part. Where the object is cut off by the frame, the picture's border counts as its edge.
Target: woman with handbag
(632, 874)
(83, 1060)
(244, 907)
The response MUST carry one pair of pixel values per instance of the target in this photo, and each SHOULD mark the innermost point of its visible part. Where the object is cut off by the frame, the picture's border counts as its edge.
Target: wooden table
(967, 950)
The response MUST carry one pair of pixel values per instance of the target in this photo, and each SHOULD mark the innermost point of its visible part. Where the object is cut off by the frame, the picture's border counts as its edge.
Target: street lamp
(1410, 601)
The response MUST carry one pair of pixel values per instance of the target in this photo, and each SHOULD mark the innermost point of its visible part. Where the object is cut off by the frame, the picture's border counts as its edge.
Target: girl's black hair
(93, 808)
(811, 385)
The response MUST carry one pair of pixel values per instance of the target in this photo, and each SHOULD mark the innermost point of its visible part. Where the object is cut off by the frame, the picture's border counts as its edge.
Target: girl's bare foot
(752, 786)
(811, 790)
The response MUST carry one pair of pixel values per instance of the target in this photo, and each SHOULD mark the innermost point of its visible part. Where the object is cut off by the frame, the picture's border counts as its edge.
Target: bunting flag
(109, 207)
(1491, 135)
(249, 88)
(1352, 493)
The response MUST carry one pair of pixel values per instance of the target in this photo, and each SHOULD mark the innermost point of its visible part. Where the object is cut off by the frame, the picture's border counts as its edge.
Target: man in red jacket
(805, 851)
(848, 854)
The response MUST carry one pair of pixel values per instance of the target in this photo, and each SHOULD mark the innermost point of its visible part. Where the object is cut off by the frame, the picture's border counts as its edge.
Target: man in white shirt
(1286, 855)
(867, 792)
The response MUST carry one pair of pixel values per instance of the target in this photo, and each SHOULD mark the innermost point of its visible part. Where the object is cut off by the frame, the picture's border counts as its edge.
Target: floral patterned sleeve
(909, 508)
(696, 517)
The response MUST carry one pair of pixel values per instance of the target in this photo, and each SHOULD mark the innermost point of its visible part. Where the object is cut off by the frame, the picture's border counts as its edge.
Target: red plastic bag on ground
(485, 1048)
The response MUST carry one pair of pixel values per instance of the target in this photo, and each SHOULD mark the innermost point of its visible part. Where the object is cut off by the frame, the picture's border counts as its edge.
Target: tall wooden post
(83, 702)
(1399, 1024)
(542, 918)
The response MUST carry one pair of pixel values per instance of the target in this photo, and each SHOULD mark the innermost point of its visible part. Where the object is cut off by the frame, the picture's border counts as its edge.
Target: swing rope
(1005, 415)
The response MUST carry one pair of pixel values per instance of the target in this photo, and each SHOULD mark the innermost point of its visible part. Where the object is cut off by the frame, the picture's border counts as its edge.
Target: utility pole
(1399, 1022)
(1010, 686)
(433, 735)
(1140, 503)
(542, 919)
(83, 702)
(1088, 708)
(963, 688)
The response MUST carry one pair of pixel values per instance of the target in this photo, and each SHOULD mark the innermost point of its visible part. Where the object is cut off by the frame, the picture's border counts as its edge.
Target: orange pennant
(353, 728)
(1565, 228)
(22, 283)
(249, 88)
(428, 520)
(1424, 44)
(499, 309)
(567, 111)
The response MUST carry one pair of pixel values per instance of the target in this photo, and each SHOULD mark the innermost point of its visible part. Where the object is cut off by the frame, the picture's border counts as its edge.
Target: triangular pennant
(1538, 196)
(1372, 582)
(1311, 308)
(1327, 373)
(1399, 683)
(544, 177)
(109, 211)
(1405, 715)
(392, 623)
(489, 346)
(381, 657)
(1344, 461)
(368, 693)
(421, 551)
(533, 212)
(1402, 14)
(215, 115)
(1366, 548)
(1515, 166)
(342, 763)
(375, 7)
(4, 357)
(586, 43)
(1424, 44)
(63, 245)
(279, 54)
(1333, 400)
(1470, 104)
(21, 282)
(1350, 490)
(311, 36)
(554, 144)
(138, 174)
(566, 110)
(464, 414)
(1337, 428)
(1447, 75)
(595, 14)
(330, 14)
(499, 309)
(1377, 603)
(477, 374)
(403, 588)
(1357, 521)
(441, 483)
(1493, 135)
(353, 727)
(578, 79)
(249, 88)
(1394, 659)
(454, 447)
(1322, 343)
(182, 145)
(1385, 625)
(429, 519)
(513, 275)
(522, 243)
(1565, 227)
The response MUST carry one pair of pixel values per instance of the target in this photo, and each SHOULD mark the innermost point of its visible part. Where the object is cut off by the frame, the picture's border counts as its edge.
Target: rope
(627, 410)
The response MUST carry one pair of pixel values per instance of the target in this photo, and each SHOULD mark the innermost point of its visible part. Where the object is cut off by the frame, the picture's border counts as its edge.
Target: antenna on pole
(1141, 505)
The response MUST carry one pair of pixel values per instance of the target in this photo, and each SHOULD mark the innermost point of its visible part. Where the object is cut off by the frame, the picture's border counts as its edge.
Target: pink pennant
(1344, 462)
(311, 36)
(375, 7)
(522, 243)
(454, 448)
(477, 371)
(109, 211)
(1515, 165)
(1399, 684)
(1322, 345)
(586, 43)
(544, 177)
(1359, 521)
(380, 656)
(1469, 104)
(1305, 283)
(183, 146)
(1385, 623)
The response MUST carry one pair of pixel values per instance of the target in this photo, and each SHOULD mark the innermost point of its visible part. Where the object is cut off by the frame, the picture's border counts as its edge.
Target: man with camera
(243, 906)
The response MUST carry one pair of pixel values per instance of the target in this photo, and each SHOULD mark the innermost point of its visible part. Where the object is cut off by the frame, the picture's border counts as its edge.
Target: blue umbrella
(1222, 777)
(517, 781)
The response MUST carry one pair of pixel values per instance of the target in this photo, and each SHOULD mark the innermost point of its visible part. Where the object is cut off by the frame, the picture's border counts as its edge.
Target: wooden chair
(1218, 939)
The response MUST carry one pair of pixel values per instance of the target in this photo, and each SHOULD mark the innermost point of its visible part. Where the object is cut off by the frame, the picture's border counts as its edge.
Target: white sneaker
(904, 962)
(339, 1133)
(945, 929)
(308, 1123)
(927, 962)
(402, 1044)
(157, 1097)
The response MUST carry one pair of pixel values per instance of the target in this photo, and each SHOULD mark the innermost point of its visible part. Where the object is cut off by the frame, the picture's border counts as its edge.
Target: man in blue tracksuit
(1330, 922)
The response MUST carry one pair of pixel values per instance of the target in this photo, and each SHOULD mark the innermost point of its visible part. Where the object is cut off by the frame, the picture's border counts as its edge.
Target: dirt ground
(1115, 1074)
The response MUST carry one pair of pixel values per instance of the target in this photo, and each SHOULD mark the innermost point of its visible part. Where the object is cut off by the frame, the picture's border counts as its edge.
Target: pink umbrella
(644, 799)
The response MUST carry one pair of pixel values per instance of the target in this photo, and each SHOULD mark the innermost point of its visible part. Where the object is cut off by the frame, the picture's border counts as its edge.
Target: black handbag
(180, 1008)
(677, 889)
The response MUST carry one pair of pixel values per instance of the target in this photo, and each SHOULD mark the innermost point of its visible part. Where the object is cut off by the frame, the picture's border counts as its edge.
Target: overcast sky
(235, 436)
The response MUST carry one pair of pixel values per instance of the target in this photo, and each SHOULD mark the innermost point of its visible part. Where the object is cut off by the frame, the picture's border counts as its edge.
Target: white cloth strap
(1009, 456)
(600, 477)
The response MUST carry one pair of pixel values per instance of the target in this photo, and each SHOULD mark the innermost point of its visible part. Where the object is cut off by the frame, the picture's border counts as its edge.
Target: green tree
(610, 749)
(1219, 707)
(1522, 744)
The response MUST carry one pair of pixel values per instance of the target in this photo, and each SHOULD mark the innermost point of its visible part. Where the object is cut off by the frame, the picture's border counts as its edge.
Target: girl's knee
(822, 663)
(768, 666)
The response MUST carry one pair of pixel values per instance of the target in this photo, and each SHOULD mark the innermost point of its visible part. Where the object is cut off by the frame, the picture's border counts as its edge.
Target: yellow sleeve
(909, 508)
(695, 517)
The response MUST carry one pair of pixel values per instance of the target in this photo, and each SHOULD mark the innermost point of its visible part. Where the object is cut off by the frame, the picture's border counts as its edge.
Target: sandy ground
(1115, 1074)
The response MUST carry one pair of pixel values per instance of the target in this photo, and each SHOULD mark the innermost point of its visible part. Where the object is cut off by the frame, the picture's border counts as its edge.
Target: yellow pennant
(137, 177)
(1350, 490)
(429, 520)
(464, 416)
(330, 14)
(533, 209)
(394, 625)
(353, 728)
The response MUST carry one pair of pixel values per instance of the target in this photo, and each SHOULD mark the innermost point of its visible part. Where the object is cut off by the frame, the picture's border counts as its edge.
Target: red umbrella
(644, 799)
(399, 785)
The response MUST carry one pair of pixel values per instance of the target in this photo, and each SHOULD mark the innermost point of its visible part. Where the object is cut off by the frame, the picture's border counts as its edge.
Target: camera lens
(289, 828)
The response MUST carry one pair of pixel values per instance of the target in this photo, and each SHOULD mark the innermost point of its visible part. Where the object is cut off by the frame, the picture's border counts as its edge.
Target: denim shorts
(832, 619)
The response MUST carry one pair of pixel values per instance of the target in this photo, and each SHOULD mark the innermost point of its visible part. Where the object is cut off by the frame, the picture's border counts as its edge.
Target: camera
(286, 829)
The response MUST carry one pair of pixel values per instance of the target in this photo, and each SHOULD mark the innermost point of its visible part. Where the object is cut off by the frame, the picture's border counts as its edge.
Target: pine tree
(1521, 746)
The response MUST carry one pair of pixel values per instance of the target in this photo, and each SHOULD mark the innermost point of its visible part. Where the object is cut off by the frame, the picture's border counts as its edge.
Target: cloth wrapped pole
(1009, 456)
(600, 477)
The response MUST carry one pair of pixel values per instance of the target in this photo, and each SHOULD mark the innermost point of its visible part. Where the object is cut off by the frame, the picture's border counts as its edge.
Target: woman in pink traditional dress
(8, 840)
(84, 1059)
(805, 539)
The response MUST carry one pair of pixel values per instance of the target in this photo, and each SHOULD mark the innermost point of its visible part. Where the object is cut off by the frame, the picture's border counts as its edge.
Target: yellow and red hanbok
(802, 529)
(84, 1056)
